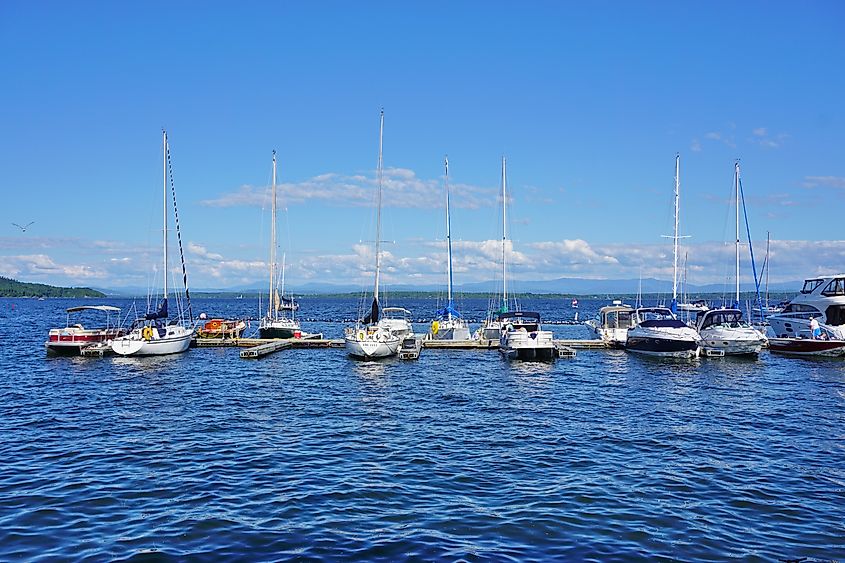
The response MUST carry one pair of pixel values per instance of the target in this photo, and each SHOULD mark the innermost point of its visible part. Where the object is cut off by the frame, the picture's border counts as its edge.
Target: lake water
(306, 454)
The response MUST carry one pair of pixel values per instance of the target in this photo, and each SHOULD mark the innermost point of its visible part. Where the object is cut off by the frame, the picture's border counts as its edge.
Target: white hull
(671, 342)
(523, 345)
(454, 329)
(490, 330)
(371, 347)
(613, 336)
(732, 341)
(177, 340)
(792, 326)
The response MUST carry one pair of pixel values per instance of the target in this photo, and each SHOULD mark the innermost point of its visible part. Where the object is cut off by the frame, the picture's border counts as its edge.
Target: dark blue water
(306, 454)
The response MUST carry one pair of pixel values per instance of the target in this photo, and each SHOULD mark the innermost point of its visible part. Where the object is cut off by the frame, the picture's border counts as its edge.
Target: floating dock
(98, 350)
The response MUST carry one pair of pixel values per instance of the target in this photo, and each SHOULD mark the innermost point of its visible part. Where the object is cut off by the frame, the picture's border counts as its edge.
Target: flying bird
(24, 227)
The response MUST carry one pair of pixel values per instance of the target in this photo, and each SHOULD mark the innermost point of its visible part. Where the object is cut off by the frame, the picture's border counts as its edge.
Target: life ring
(213, 325)
(435, 327)
(361, 335)
(147, 333)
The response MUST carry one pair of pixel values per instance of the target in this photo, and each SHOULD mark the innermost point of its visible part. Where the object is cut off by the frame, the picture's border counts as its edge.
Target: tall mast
(378, 212)
(675, 236)
(164, 207)
(448, 244)
(736, 185)
(504, 235)
(271, 303)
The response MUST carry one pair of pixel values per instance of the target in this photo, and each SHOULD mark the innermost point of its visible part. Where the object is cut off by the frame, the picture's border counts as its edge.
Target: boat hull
(371, 348)
(71, 341)
(528, 346)
(176, 340)
(278, 332)
(807, 347)
(456, 332)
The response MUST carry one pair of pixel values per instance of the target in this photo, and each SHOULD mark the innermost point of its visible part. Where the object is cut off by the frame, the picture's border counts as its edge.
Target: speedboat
(612, 323)
(822, 299)
(658, 332)
(825, 345)
(522, 337)
(71, 339)
(725, 332)
(397, 320)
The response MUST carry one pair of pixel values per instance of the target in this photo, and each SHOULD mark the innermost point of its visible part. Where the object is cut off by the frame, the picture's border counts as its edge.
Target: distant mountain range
(572, 286)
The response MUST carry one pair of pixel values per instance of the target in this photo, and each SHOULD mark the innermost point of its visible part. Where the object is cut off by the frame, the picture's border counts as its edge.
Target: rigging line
(751, 249)
(179, 236)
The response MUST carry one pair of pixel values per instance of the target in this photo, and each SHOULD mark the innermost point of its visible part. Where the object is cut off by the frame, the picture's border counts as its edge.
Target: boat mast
(504, 236)
(736, 185)
(675, 236)
(448, 246)
(378, 212)
(271, 302)
(164, 207)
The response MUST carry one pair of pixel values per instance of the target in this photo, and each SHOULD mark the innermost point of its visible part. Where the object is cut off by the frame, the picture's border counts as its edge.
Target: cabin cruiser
(822, 299)
(658, 332)
(698, 306)
(725, 332)
(397, 320)
(612, 323)
(74, 337)
(522, 337)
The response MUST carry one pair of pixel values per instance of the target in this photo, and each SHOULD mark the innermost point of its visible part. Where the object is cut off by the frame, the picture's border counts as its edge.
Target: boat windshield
(731, 319)
(835, 287)
(811, 285)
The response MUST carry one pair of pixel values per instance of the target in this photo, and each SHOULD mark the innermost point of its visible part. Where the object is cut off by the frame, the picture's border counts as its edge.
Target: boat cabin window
(800, 308)
(810, 285)
(835, 287)
(732, 319)
(835, 315)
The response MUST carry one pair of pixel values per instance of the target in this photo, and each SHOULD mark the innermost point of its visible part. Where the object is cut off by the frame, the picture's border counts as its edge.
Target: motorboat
(448, 324)
(658, 332)
(397, 320)
(697, 306)
(71, 339)
(807, 347)
(725, 332)
(822, 299)
(221, 328)
(523, 338)
(612, 322)
(156, 333)
(276, 323)
(369, 339)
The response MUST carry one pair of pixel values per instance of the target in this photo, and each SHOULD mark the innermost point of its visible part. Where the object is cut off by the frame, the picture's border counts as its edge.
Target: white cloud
(402, 188)
(824, 181)
(40, 266)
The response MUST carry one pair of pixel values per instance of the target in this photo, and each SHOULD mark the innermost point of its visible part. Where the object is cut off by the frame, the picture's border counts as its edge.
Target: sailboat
(491, 328)
(658, 331)
(723, 331)
(448, 324)
(154, 335)
(275, 324)
(369, 338)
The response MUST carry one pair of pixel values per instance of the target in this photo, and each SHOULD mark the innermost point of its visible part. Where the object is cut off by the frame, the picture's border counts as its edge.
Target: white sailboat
(369, 338)
(448, 324)
(658, 331)
(276, 324)
(154, 335)
(723, 331)
(491, 328)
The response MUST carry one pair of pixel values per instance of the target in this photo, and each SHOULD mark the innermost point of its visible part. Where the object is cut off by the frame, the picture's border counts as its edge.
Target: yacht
(522, 337)
(723, 331)
(822, 298)
(612, 322)
(371, 338)
(448, 323)
(658, 332)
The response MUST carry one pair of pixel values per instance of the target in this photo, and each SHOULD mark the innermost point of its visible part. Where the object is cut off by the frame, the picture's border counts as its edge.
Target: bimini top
(529, 315)
(107, 308)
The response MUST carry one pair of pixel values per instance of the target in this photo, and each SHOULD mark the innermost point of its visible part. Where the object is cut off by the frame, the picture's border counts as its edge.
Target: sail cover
(373, 315)
(160, 314)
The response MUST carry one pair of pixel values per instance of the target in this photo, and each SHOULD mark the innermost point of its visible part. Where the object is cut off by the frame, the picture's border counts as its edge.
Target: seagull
(25, 227)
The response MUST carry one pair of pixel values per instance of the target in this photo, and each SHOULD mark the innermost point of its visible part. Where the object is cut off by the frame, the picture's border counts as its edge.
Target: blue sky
(588, 101)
